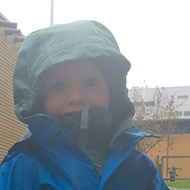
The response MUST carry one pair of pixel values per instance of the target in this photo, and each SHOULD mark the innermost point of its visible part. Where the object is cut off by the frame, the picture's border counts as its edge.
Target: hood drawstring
(84, 125)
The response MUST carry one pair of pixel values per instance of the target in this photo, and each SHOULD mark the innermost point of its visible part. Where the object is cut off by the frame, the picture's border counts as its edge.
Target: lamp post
(51, 21)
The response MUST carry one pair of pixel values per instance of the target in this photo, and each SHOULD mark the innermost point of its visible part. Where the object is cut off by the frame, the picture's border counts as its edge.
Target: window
(138, 104)
(151, 103)
(182, 97)
(186, 113)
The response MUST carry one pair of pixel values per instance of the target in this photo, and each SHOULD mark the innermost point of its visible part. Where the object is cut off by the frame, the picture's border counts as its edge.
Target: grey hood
(59, 43)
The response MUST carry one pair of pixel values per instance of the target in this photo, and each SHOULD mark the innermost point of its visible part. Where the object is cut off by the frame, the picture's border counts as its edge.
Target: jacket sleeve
(148, 172)
(10, 177)
(15, 174)
(158, 183)
(17, 168)
(136, 172)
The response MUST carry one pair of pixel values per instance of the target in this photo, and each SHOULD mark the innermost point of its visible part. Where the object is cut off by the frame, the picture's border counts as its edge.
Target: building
(180, 95)
(11, 129)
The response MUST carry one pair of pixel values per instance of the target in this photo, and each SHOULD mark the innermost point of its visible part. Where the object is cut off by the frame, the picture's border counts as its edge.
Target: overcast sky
(153, 35)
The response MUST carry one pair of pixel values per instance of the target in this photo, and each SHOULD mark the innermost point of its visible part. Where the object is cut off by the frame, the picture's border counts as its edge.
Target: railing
(162, 165)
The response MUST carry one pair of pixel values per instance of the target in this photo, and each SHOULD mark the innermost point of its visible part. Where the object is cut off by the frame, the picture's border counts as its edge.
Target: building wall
(11, 129)
(179, 147)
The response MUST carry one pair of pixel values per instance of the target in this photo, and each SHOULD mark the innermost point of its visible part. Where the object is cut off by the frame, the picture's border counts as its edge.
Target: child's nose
(76, 96)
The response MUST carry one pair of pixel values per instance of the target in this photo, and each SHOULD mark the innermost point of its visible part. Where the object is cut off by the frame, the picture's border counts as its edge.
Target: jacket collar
(45, 130)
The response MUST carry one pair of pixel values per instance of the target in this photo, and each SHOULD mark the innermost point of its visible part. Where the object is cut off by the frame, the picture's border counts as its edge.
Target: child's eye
(58, 86)
(90, 82)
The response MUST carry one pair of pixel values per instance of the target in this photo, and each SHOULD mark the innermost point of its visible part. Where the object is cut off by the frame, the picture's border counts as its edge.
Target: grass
(179, 184)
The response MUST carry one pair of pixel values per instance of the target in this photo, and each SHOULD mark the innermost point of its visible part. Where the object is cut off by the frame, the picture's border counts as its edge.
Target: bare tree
(154, 117)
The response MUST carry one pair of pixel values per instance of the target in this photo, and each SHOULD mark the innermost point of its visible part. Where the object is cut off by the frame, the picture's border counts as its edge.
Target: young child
(70, 87)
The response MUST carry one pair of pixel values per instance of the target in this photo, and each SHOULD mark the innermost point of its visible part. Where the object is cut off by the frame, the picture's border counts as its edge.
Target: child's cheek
(52, 105)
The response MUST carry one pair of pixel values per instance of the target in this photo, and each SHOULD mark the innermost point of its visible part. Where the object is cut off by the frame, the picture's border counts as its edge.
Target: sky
(153, 35)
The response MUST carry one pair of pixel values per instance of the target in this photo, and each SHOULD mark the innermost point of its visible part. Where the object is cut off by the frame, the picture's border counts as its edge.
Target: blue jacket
(50, 160)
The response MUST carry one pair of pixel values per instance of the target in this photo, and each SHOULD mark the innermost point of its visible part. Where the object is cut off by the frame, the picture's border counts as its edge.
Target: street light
(51, 21)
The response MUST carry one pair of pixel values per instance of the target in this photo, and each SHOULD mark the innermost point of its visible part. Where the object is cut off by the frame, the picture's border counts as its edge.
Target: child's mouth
(74, 111)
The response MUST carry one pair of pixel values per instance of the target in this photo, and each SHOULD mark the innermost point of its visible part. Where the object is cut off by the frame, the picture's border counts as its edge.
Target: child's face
(72, 85)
